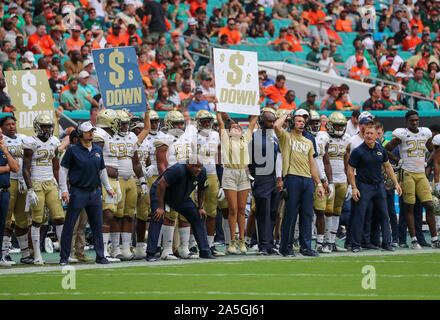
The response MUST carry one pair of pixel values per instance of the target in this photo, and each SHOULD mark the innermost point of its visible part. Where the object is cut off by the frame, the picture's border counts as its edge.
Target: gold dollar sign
(118, 77)
(234, 78)
(130, 75)
(101, 58)
(248, 78)
(222, 57)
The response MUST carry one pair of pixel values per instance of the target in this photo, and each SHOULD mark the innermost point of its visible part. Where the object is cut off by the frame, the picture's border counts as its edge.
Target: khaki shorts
(48, 194)
(235, 179)
(142, 205)
(334, 205)
(127, 205)
(211, 200)
(319, 204)
(415, 184)
(17, 203)
(110, 206)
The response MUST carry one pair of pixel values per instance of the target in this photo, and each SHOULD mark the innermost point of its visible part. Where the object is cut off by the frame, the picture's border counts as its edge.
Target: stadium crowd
(173, 40)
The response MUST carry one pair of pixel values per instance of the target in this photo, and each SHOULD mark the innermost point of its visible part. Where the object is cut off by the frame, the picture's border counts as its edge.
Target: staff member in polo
(368, 186)
(300, 173)
(84, 164)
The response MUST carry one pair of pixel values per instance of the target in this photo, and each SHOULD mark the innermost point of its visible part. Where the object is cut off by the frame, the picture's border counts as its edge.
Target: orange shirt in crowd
(74, 45)
(115, 41)
(183, 95)
(194, 6)
(45, 43)
(332, 34)
(344, 25)
(361, 71)
(410, 42)
(144, 69)
(275, 94)
(287, 106)
(126, 38)
(296, 45)
(341, 106)
(233, 36)
(313, 16)
(418, 23)
(95, 45)
(160, 67)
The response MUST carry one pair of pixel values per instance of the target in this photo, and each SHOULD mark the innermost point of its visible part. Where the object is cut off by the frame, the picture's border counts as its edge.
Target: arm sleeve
(279, 166)
(104, 179)
(63, 173)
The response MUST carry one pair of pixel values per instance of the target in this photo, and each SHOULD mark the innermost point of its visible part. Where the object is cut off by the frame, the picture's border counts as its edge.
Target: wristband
(319, 184)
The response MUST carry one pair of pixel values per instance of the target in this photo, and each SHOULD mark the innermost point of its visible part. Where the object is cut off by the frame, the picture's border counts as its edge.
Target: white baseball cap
(365, 114)
(29, 55)
(87, 62)
(86, 127)
(192, 21)
(301, 112)
(83, 74)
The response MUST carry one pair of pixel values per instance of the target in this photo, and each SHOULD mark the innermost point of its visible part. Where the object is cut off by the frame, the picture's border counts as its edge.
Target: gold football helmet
(122, 118)
(203, 115)
(107, 119)
(170, 119)
(314, 124)
(154, 115)
(336, 118)
(43, 120)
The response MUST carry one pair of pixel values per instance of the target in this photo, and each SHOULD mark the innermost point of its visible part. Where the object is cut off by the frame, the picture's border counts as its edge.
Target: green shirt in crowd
(422, 87)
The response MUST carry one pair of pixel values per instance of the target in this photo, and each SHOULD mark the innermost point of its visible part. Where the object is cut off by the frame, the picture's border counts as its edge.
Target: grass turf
(398, 276)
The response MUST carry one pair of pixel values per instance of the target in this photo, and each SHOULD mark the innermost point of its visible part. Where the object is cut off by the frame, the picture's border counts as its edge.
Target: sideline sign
(119, 78)
(236, 81)
(30, 93)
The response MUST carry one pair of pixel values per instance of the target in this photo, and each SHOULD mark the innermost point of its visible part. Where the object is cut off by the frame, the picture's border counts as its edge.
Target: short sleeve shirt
(368, 163)
(295, 151)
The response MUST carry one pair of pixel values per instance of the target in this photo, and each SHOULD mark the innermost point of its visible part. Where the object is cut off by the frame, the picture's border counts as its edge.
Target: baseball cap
(359, 59)
(11, 50)
(198, 90)
(192, 21)
(49, 15)
(311, 94)
(76, 28)
(86, 127)
(56, 28)
(13, 5)
(26, 66)
(215, 9)
(213, 19)
(365, 120)
(87, 62)
(83, 74)
(328, 18)
(206, 77)
(320, 21)
(365, 114)
(332, 87)
(301, 112)
(175, 34)
(29, 56)
(433, 12)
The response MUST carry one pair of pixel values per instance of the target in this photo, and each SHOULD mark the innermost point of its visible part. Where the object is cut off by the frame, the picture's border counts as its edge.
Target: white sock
(226, 231)
(140, 244)
(6, 245)
(413, 238)
(105, 237)
(433, 239)
(168, 234)
(115, 236)
(335, 224)
(328, 227)
(332, 238)
(247, 239)
(24, 245)
(320, 238)
(59, 230)
(184, 234)
(211, 241)
(126, 240)
(192, 241)
(159, 242)
(35, 236)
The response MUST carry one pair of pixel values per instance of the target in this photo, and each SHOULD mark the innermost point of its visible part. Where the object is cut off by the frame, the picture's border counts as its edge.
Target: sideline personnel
(84, 164)
(368, 186)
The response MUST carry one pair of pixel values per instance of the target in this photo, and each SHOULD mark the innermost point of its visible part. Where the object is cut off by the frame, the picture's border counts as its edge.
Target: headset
(261, 118)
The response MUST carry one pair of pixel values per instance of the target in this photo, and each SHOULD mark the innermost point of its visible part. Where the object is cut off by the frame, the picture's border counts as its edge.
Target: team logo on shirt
(379, 153)
(195, 183)
(97, 155)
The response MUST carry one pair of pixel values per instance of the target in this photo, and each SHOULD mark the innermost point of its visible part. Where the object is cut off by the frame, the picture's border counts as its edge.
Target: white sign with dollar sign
(236, 81)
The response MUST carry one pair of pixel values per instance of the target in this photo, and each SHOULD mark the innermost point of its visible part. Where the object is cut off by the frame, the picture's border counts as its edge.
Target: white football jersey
(152, 139)
(354, 142)
(436, 140)
(207, 148)
(336, 152)
(126, 146)
(179, 149)
(321, 140)
(412, 149)
(144, 152)
(44, 152)
(109, 151)
(15, 148)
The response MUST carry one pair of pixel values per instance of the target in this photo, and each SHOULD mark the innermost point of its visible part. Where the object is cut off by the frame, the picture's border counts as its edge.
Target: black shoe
(194, 249)
(263, 252)
(356, 249)
(64, 263)
(216, 253)
(403, 245)
(8, 258)
(152, 258)
(370, 246)
(27, 260)
(102, 261)
(308, 253)
(288, 254)
(388, 248)
(425, 244)
(207, 256)
(273, 251)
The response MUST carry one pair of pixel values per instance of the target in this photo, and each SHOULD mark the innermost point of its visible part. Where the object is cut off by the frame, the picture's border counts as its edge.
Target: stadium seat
(261, 40)
(425, 106)
(37, 57)
(405, 55)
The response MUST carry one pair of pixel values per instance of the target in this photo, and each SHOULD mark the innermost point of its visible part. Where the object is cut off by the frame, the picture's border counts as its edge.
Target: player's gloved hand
(32, 197)
(331, 187)
(221, 194)
(399, 164)
(118, 192)
(148, 171)
(144, 189)
(22, 188)
(437, 189)
(349, 193)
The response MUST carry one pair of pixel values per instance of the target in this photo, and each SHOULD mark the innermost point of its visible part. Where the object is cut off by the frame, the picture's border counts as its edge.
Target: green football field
(404, 274)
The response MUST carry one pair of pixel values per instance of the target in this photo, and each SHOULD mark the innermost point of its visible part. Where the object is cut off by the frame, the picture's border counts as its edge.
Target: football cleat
(185, 253)
(337, 248)
(168, 255)
(9, 259)
(403, 245)
(216, 253)
(308, 253)
(39, 261)
(127, 255)
(27, 260)
(83, 258)
(102, 261)
(355, 250)
(140, 253)
(4, 263)
(435, 244)
(415, 245)
(72, 260)
(194, 249)
(64, 263)
(388, 248)
(152, 259)
(321, 248)
(394, 244)
(111, 259)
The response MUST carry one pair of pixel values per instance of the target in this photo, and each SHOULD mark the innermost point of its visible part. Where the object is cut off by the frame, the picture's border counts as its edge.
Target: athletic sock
(24, 245)
(332, 238)
(140, 244)
(59, 230)
(335, 224)
(105, 237)
(226, 231)
(35, 236)
(433, 239)
(328, 227)
(247, 240)
(413, 238)
(6, 245)
(192, 241)
(184, 234)
(320, 238)
(211, 241)
(126, 240)
(115, 236)
(159, 241)
(168, 235)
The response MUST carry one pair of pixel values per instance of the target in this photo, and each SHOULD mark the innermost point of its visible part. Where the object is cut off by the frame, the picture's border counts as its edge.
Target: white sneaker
(337, 248)
(184, 252)
(72, 260)
(111, 259)
(415, 245)
(127, 255)
(140, 253)
(39, 261)
(321, 248)
(116, 253)
(167, 254)
(4, 263)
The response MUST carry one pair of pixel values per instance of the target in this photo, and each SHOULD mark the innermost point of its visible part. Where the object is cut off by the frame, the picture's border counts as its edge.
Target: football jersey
(109, 151)
(179, 148)
(412, 149)
(15, 148)
(144, 152)
(436, 140)
(336, 152)
(354, 142)
(44, 152)
(152, 138)
(126, 147)
(322, 139)
(207, 148)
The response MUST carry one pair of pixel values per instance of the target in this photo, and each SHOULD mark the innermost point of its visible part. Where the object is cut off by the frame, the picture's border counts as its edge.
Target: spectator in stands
(192, 27)
(337, 58)
(416, 21)
(83, 78)
(315, 54)
(342, 103)
(5, 101)
(288, 103)
(176, 46)
(353, 123)
(75, 42)
(185, 95)
(318, 33)
(207, 89)
(401, 34)
(213, 27)
(384, 73)
(332, 35)
(434, 22)
(327, 64)
(333, 93)
(92, 20)
(426, 42)
(74, 65)
(41, 43)
(352, 60)
(174, 93)
(28, 28)
(412, 40)
(177, 10)
(277, 91)
(309, 104)
(198, 102)
(381, 34)
(397, 60)
(128, 16)
(12, 64)
(396, 20)
(115, 37)
(224, 41)
(73, 98)
(293, 39)
(233, 35)
(374, 102)
(195, 5)
(359, 70)
(314, 14)
(431, 75)
(55, 83)
(343, 24)
(390, 104)
(163, 103)
(404, 74)
(280, 11)
(419, 86)
(266, 80)
(56, 33)
(62, 71)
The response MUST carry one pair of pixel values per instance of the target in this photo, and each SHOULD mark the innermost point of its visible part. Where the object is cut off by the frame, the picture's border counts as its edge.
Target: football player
(40, 173)
(436, 143)
(208, 147)
(173, 147)
(126, 144)
(18, 191)
(325, 174)
(336, 149)
(104, 136)
(412, 142)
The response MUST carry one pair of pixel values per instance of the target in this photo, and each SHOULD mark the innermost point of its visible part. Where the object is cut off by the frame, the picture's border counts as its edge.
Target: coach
(84, 164)
(368, 186)
(173, 188)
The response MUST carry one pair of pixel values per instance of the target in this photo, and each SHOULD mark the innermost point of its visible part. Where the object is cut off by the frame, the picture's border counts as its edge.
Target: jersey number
(16, 151)
(44, 157)
(208, 150)
(416, 148)
(182, 152)
(336, 151)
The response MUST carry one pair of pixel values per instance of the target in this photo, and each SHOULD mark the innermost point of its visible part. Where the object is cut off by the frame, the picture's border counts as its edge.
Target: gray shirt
(29, 30)
(322, 35)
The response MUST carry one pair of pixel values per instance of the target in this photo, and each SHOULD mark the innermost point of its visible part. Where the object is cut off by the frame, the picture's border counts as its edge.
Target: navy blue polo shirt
(84, 166)
(258, 151)
(368, 163)
(4, 177)
(180, 183)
